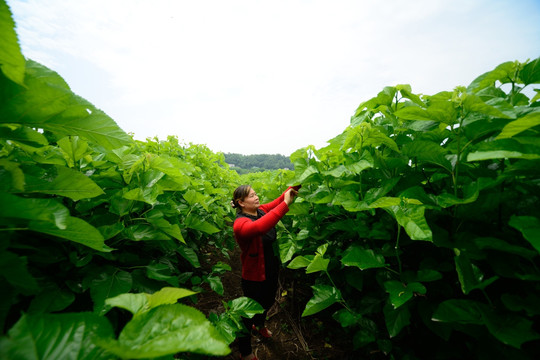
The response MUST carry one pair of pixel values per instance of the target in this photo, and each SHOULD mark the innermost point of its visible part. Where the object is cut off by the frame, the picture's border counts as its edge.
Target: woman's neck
(252, 213)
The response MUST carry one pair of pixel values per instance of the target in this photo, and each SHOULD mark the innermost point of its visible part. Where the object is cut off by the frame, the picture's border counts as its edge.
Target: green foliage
(94, 223)
(426, 208)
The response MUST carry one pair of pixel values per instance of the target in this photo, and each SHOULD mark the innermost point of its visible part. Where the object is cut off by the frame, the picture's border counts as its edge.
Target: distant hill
(259, 162)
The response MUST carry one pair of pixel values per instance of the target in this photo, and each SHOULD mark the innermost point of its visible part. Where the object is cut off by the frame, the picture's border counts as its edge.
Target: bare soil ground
(293, 337)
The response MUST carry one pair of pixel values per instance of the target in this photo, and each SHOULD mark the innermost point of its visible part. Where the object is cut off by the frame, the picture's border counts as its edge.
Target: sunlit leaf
(362, 258)
(167, 330)
(12, 61)
(323, 297)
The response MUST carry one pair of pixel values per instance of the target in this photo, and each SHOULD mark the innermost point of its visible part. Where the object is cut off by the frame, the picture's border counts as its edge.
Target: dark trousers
(264, 292)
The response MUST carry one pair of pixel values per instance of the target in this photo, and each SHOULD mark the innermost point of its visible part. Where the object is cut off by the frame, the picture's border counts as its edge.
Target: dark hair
(240, 194)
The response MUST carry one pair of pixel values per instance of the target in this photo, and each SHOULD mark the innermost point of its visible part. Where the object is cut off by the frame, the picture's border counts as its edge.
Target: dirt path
(293, 338)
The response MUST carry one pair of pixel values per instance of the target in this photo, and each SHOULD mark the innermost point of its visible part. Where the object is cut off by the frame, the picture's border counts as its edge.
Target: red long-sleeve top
(248, 234)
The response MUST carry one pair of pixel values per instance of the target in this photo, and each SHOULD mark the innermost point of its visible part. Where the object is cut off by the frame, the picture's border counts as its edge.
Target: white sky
(270, 77)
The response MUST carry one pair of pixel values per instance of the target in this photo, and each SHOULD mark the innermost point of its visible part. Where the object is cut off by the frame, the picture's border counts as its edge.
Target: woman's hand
(290, 195)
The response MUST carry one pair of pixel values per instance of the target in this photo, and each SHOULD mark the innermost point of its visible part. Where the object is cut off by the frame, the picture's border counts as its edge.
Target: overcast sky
(258, 77)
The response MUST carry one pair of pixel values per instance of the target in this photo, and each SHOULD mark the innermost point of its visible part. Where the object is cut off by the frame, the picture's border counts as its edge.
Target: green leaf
(11, 59)
(299, 262)
(76, 230)
(469, 275)
(46, 210)
(474, 104)
(138, 303)
(133, 303)
(16, 181)
(167, 330)
(529, 227)
(109, 284)
(503, 73)
(413, 221)
(504, 247)
(323, 297)
(193, 198)
(317, 264)
(400, 293)
(22, 134)
(346, 318)
(156, 218)
(504, 148)
(396, 319)
(63, 181)
(215, 284)
(51, 298)
(530, 74)
(144, 232)
(460, 311)
(362, 258)
(245, 307)
(190, 255)
(510, 329)
(517, 126)
(427, 152)
(195, 222)
(287, 248)
(57, 336)
(49, 104)
(15, 270)
(73, 147)
(161, 272)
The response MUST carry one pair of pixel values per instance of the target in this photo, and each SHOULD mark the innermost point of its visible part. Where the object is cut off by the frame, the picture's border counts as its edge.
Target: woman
(254, 230)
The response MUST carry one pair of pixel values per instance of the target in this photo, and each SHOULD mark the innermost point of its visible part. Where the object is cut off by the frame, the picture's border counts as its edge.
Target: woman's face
(250, 202)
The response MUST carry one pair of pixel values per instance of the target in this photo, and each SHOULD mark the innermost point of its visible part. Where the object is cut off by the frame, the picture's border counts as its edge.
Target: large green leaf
(73, 147)
(167, 330)
(460, 311)
(61, 180)
(362, 258)
(412, 219)
(323, 297)
(49, 104)
(15, 270)
(510, 329)
(506, 148)
(400, 292)
(396, 319)
(57, 336)
(22, 134)
(156, 218)
(76, 230)
(108, 284)
(530, 74)
(427, 152)
(503, 73)
(517, 126)
(11, 59)
(529, 227)
(245, 307)
(138, 303)
(194, 222)
(299, 262)
(319, 263)
(469, 275)
(46, 210)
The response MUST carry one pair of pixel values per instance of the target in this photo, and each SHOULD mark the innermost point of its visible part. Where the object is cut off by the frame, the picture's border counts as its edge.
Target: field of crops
(416, 234)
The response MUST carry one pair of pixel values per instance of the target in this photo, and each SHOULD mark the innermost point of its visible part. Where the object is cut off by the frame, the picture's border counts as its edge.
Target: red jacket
(248, 234)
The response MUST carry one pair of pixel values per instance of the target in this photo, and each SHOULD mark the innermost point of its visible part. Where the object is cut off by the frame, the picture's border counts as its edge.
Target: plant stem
(397, 249)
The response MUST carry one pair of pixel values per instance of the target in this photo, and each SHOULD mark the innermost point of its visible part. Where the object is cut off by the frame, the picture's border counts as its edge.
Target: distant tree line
(259, 162)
